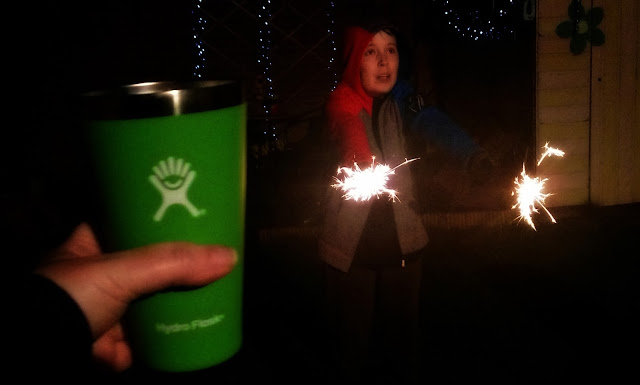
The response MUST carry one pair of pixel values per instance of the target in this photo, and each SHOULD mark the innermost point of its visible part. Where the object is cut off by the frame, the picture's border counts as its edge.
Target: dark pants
(373, 318)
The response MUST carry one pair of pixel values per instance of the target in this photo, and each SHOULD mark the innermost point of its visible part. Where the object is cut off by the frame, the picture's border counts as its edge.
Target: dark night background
(69, 48)
(487, 87)
(502, 303)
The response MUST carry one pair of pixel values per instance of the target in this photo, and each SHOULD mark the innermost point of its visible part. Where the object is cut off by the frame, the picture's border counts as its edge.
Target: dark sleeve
(53, 336)
(432, 124)
(437, 127)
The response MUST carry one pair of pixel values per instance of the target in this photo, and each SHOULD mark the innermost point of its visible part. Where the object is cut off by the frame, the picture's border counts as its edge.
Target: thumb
(103, 287)
(156, 267)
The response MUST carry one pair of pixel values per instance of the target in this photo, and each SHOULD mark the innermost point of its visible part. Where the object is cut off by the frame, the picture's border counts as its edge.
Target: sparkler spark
(550, 151)
(529, 190)
(362, 185)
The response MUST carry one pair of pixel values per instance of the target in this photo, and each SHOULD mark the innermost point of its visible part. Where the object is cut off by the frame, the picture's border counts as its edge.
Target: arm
(53, 335)
(345, 126)
(348, 131)
(435, 126)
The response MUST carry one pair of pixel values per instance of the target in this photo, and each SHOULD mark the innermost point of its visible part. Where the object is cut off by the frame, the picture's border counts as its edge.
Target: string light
(474, 25)
(264, 62)
(332, 59)
(198, 30)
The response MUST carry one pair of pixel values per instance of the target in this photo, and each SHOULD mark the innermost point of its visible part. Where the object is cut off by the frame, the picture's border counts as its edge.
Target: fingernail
(234, 256)
(227, 253)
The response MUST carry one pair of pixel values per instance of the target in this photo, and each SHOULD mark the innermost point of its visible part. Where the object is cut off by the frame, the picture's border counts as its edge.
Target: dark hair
(372, 19)
(381, 26)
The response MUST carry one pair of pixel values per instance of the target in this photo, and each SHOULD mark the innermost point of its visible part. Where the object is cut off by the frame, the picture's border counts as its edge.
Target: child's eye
(369, 52)
(391, 50)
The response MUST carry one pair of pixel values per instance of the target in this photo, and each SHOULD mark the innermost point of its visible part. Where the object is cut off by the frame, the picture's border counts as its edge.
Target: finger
(112, 350)
(156, 267)
(81, 243)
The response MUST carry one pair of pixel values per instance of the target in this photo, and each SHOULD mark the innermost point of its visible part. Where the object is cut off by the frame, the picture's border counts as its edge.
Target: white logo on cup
(173, 178)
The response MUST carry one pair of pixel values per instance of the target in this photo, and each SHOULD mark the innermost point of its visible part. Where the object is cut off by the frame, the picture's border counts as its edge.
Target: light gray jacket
(344, 220)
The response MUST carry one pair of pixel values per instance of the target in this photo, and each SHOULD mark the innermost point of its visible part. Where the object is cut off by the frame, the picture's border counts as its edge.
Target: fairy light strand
(264, 62)
(475, 25)
(332, 55)
(198, 31)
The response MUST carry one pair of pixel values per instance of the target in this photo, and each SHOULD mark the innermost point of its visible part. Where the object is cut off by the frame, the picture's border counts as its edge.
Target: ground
(501, 302)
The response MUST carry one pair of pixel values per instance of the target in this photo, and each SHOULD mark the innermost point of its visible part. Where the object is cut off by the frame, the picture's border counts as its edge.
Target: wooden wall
(589, 106)
(615, 106)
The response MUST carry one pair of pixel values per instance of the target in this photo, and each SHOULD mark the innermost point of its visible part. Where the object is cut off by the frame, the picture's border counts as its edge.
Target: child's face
(379, 66)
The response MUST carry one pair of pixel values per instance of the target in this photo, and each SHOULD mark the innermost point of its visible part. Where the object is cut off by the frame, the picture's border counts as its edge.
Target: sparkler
(550, 151)
(362, 185)
(529, 190)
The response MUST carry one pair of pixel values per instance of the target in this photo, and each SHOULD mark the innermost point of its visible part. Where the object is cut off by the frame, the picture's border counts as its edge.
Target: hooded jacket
(348, 101)
(349, 111)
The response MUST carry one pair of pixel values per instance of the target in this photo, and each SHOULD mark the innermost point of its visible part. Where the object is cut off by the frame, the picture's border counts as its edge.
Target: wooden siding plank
(559, 114)
(547, 26)
(572, 162)
(568, 197)
(563, 181)
(560, 96)
(626, 145)
(635, 132)
(563, 79)
(563, 62)
(559, 131)
(553, 8)
(574, 146)
(551, 44)
(605, 107)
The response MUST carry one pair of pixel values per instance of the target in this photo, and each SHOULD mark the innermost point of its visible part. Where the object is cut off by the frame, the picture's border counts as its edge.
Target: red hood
(348, 99)
(356, 40)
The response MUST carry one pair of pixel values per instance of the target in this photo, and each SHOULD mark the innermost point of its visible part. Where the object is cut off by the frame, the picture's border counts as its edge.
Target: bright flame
(362, 185)
(550, 151)
(529, 190)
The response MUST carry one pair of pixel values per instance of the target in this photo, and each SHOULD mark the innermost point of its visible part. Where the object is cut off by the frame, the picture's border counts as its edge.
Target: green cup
(169, 165)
